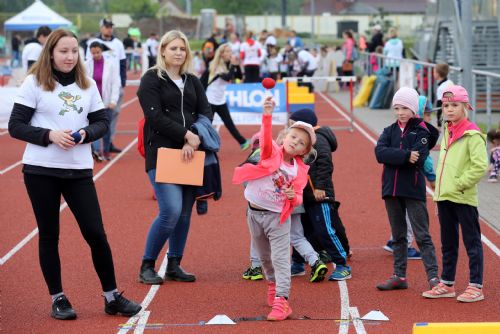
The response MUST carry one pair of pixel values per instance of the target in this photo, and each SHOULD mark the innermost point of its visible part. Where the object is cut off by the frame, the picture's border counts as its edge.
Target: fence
(492, 80)
(485, 95)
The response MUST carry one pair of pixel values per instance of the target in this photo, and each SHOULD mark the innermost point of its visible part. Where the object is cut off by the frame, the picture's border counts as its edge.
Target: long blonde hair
(218, 65)
(43, 67)
(161, 65)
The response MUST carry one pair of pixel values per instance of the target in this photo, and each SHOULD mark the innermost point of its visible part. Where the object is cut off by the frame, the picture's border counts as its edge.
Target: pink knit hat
(406, 97)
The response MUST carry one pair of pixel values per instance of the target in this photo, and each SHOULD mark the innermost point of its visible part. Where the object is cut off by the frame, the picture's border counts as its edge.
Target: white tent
(36, 15)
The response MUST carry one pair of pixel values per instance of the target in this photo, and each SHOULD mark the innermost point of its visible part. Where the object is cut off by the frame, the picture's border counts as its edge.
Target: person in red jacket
(274, 188)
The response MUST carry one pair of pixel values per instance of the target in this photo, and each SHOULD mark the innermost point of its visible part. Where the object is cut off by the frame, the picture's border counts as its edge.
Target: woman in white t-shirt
(59, 112)
(223, 69)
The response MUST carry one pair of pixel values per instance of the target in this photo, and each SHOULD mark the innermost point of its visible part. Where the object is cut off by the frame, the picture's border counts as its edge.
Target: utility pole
(313, 12)
(466, 12)
(283, 13)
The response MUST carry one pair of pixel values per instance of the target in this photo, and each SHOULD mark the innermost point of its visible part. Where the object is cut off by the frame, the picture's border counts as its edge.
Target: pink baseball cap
(307, 128)
(456, 94)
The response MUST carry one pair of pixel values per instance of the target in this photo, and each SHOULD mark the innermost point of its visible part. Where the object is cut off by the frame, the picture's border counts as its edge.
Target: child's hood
(327, 133)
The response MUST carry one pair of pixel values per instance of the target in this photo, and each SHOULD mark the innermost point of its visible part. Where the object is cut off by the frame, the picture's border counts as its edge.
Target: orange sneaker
(471, 294)
(271, 293)
(440, 291)
(281, 309)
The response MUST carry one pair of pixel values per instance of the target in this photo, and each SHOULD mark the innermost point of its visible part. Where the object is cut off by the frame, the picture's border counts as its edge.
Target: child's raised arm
(266, 135)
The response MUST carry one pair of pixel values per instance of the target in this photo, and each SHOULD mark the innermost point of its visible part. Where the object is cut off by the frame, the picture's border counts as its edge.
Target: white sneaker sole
(446, 295)
(470, 300)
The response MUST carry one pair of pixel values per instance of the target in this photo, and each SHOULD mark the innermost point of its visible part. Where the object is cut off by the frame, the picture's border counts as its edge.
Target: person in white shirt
(308, 63)
(117, 53)
(235, 43)
(223, 69)
(58, 112)
(151, 46)
(107, 77)
(33, 47)
(250, 55)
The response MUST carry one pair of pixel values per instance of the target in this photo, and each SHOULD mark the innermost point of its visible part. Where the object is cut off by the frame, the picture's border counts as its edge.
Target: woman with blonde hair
(59, 112)
(223, 69)
(172, 100)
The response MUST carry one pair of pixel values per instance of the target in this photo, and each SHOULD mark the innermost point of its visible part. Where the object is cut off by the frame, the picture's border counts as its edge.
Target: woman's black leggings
(80, 194)
(224, 114)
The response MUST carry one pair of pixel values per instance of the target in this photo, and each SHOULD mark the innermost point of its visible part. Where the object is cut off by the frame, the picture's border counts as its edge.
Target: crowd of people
(288, 181)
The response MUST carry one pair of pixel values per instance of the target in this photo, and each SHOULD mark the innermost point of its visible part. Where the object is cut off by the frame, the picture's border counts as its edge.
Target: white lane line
(20, 162)
(492, 246)
(3, 132)
(3, 171)
(485, 240)
(356, 321)
(128, 102)
(344, 307)
(33, 233)
(141, 324)
(147, 300)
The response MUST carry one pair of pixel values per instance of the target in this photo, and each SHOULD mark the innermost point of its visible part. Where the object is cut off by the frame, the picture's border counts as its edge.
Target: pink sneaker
(281, 309)
(471, 295)
(440, 291)
(271, 293)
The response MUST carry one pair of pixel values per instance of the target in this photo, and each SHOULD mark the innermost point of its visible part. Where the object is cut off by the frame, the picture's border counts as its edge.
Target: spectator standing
(377, 38)
(461, 165)
(55, 100)
(403, 148)
(128, 44)
(116, 53)
(295, 41)
(440, 74)
(107, 77)
(172, 100)
(33, 47)
(250, 55)
(151, 46)
(16, 55)
(393, 48)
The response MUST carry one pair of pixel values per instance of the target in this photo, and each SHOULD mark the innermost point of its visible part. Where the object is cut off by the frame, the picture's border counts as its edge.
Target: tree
(136, 8)
(244, 7)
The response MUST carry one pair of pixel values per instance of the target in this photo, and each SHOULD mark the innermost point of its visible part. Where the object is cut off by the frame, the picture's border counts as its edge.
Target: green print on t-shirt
(69, 103)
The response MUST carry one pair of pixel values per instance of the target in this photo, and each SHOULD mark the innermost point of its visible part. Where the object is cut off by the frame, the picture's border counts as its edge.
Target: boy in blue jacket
(403, 148)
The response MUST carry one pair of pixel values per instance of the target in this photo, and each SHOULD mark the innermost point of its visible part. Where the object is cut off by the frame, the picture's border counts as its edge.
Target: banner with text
(245, 103)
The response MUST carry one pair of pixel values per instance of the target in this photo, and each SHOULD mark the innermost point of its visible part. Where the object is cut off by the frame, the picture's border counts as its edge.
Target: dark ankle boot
(175, 272)
(148, 275)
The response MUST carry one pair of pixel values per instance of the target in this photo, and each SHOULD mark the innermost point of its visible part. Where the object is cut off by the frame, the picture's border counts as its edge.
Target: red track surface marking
(217, 252)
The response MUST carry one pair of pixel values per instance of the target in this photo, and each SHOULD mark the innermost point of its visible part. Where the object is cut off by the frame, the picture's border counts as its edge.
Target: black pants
(151, 61)
(80, 194)
(252, 73)
(452, 215)
(224, 114)
(328, 229)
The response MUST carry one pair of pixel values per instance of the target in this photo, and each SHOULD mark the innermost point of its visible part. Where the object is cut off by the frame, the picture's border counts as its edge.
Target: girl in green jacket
(462, 163)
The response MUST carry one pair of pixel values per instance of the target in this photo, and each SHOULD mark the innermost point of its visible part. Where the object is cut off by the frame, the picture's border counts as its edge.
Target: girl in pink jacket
(274, 188)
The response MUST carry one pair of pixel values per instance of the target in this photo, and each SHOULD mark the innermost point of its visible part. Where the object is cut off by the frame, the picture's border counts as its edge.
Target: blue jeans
(175, 203)
(96, 145)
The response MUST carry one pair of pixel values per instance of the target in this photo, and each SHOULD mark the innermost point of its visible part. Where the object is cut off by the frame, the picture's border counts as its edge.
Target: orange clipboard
(171, 169)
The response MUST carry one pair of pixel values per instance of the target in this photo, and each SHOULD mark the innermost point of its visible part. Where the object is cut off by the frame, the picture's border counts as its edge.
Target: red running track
(217, 252)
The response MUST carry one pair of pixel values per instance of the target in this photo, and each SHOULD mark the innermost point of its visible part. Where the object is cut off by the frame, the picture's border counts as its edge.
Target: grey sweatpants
(298, 241)
(417, 211)
(272, 244)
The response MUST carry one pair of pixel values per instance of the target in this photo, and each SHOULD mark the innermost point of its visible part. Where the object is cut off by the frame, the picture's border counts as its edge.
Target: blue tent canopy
(36, 15)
